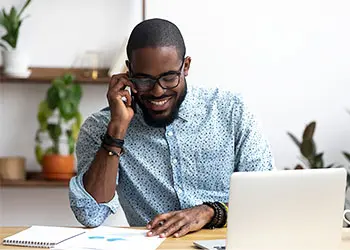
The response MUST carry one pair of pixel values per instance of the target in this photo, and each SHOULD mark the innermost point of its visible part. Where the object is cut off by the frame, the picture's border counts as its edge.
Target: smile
(159, 103)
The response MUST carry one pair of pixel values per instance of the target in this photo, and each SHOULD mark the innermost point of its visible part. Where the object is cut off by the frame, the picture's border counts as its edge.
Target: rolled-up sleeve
(85, 208)
(252, 150)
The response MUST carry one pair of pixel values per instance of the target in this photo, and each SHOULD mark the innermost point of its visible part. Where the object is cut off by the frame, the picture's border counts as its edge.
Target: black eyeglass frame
(156, 79)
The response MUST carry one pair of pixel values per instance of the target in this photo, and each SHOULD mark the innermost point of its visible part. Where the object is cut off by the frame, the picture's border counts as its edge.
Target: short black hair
(154, 33)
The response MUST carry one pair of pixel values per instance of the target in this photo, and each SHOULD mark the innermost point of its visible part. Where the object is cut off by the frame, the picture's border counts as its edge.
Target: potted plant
(311, 158)
(307, 148)
(14, 62)
(59, 120)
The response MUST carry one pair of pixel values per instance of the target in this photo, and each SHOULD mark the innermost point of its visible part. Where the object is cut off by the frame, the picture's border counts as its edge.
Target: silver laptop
(289, 209)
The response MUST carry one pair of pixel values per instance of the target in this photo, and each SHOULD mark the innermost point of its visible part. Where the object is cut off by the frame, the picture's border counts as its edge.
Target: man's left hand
(179, 223)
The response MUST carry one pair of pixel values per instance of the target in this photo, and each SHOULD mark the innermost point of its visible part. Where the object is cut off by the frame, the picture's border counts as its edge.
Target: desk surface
(185, 242)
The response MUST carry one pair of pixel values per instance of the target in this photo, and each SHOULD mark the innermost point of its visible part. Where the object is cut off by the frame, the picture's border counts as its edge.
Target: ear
(187, 65)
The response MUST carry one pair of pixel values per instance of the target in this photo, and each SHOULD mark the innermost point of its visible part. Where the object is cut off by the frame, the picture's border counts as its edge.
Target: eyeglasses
(167, 80)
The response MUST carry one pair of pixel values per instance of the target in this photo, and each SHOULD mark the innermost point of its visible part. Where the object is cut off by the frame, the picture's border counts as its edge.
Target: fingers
(159, 220)
(126, 94)
(117, 95)
(179, 223)
(119, 82)
(174, 228)
(170, 226)
(183, 231)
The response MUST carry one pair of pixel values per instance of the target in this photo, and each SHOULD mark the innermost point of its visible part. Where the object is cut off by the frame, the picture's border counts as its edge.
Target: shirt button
(174, 161)
(170, 133)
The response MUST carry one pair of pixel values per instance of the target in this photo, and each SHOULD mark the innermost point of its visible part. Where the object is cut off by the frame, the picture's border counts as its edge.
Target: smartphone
(133, 104)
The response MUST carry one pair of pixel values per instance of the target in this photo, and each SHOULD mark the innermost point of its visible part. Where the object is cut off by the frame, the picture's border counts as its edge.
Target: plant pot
(12, 168)
(58, 167)
(15, 64)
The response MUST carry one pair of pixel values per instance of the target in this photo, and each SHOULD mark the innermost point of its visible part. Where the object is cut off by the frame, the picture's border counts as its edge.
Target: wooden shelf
(34, 179)
(46, 75)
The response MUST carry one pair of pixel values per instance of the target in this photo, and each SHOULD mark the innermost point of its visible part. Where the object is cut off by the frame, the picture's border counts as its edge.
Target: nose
(157, 90)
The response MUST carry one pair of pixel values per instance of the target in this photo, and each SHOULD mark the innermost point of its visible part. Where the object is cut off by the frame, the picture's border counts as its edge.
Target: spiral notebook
(42, 236)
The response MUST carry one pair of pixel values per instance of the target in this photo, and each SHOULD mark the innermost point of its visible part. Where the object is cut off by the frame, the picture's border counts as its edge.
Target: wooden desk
(185, 242)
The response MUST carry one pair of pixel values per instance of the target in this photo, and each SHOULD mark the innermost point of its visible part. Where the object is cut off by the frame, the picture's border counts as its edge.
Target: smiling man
(164, 152)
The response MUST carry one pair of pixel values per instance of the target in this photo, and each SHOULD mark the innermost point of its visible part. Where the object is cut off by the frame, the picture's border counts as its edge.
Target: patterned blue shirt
(176, 167)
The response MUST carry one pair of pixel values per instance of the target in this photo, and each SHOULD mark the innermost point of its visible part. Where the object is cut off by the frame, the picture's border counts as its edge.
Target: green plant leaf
(13, 17)
(24, 7)
(307, 148)
(71, 142)
(61, 88)
(55, 131)
(75, 130)
(79, 118)
(53, 97)
(68, 79)
(38, 154)
(10, 39)
(67, 110)
(318, 161)
(296, 141)
(76, 93)
(43, 114)
(2, 18)
(49, 151)
(58, 81)
(347, 155)
(6, 21)
(309, 131)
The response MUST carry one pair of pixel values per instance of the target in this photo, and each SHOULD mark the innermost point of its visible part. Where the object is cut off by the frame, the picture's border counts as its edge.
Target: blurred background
(289, 59)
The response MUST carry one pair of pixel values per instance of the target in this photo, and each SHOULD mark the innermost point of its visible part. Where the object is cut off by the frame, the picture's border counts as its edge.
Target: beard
(167, 120)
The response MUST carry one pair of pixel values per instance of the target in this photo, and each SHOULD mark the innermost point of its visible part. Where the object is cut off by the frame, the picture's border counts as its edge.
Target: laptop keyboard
(220, 247)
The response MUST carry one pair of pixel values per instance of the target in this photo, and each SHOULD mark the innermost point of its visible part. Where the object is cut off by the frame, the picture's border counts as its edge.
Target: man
(166, 151)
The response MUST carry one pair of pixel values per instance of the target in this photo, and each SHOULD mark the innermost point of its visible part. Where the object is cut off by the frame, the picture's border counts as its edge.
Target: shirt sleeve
(252, 150)
(85, 208)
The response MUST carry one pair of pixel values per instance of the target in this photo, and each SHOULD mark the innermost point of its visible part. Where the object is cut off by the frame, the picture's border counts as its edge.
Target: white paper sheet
(105, 238)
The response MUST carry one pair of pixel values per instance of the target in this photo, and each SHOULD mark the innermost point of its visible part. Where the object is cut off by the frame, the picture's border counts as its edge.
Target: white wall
(290, 59)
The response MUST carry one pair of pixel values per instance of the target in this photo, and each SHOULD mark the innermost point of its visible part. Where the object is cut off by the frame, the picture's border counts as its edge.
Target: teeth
(159, 103)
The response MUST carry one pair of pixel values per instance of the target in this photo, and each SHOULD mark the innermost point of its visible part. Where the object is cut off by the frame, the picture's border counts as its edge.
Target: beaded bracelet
(220, 216)
(224, 220)
(226, 209)
(111, 141)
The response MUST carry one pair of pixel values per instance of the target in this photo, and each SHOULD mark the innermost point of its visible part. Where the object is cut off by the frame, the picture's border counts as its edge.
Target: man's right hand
(121, 112)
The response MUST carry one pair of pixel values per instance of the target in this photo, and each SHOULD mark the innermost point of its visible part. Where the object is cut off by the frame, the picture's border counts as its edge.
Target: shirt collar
(190, 108)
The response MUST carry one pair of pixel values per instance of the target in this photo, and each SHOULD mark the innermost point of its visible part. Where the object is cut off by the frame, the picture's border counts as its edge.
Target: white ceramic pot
(15, 64)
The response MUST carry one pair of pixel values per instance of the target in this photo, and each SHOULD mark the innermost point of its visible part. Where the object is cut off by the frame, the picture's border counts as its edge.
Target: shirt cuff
(82, 197)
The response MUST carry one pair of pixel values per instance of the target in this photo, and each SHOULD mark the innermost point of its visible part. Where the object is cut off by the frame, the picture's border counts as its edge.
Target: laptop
(289, 209)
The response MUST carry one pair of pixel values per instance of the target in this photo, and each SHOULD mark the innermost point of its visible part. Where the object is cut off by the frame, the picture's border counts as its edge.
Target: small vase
(15, 64)
(58, 167)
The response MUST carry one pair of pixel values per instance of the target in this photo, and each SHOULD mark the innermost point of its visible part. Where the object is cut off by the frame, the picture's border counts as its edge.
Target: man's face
(160, 104)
